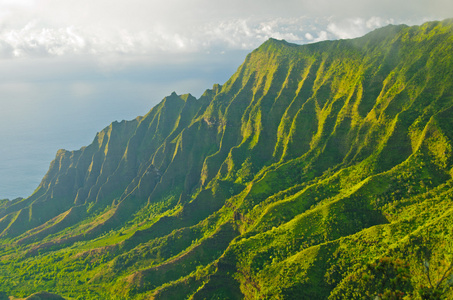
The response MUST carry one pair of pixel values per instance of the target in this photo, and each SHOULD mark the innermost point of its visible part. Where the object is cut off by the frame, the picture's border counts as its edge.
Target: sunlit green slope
(321, 171)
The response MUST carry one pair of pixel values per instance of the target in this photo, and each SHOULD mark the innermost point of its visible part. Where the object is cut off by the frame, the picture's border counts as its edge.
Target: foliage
(321, 171)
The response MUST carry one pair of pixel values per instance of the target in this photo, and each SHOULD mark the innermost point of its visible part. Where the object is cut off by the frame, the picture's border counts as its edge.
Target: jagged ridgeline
(321, 171)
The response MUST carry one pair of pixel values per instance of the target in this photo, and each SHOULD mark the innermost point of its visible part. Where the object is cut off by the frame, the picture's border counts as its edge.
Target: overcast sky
(70, 67)
(36, 28)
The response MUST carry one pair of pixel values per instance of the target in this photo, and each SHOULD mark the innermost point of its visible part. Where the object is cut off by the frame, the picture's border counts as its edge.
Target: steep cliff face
(291, 180)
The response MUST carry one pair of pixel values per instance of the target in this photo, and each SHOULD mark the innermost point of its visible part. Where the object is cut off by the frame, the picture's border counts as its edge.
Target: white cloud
(322, 36)
(34, 28)
(32, 40)
(355, 27)
(309, 36)
(77, 64)
(376, 22)
(347, 29)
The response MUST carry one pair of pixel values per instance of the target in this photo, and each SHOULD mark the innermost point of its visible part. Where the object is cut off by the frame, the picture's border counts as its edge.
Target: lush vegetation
(321, 171)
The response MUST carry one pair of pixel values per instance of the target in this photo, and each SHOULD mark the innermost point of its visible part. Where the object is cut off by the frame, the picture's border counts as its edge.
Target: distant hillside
(321, 171)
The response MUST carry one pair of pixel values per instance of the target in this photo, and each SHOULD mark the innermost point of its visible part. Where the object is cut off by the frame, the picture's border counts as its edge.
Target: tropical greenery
(321, 171)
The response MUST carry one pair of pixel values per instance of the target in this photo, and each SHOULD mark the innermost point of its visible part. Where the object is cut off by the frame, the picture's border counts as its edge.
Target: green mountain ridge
(320, 171)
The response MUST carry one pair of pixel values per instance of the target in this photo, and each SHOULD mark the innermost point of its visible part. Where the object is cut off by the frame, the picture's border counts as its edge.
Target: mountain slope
(294, 179)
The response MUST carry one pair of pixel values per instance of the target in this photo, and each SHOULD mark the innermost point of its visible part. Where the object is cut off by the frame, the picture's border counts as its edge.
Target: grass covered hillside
(321, 171)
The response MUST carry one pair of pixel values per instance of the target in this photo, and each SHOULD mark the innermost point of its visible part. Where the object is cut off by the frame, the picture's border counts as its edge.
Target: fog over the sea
(69, 68)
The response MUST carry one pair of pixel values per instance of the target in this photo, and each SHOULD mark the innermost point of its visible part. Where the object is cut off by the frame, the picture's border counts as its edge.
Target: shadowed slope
(309, 164)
